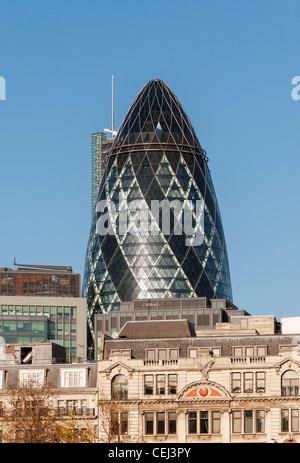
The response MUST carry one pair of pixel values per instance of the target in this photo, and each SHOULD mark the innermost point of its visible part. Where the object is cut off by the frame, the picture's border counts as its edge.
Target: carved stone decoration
(287, 364)
(204, 369)
(119, 368)
(201, 390)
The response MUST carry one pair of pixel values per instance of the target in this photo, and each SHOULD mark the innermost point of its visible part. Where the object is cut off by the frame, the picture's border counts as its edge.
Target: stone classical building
(236, 383)
(73, 385)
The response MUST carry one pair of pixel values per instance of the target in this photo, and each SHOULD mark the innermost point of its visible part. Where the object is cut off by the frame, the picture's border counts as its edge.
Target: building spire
(112, 130)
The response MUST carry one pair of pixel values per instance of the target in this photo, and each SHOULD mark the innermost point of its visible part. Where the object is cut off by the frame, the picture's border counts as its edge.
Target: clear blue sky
(229, 62)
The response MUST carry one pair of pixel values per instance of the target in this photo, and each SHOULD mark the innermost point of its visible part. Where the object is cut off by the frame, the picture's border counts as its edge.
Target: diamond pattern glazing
(156, 155)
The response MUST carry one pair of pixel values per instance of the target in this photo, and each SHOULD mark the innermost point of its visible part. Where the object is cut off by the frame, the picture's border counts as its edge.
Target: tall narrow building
(156, 156)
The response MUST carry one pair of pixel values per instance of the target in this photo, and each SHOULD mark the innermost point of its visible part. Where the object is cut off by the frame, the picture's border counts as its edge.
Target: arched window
(289, 383)
(119, 387)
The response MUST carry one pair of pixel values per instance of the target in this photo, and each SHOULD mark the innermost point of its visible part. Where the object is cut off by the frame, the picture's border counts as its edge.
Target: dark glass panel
(192, 267)
(204, 287)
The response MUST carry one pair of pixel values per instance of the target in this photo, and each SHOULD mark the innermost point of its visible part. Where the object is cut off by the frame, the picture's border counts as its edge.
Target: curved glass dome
(156, 155)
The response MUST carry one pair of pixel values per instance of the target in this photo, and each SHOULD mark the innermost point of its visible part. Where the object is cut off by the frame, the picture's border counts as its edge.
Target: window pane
(236, 421)
(248, 424)
(149, 389)
(124, 423)
(216, 422)
(172, 422)
(295, 420)
(172, 384)
(192, 423)
(236, 382)
(119, 387)
(261, 351)
(250, 351)
(114, 424)
(284, 420)
(173, 353)
(150, 354)
(248, 382)
(260, 381)
(193, 353)
(160, 384)
(149, 423)
(160, 423)
(238, 352)
(203, 422)
(162, 354)
(260, 421)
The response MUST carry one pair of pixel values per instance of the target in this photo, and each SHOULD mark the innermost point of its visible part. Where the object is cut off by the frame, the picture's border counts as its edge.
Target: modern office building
(236, 383)
(43, 304)
(100, 148)
(156, 156)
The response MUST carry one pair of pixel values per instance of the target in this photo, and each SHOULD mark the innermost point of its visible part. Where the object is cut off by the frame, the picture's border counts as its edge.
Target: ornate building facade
(236, 383)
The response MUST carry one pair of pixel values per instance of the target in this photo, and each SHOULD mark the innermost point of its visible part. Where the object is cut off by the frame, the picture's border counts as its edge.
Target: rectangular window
(148, 384)
(248, 382)
(34, 378)
(193, 353)
(216, 351)
(260, 421)
(73, 378)
(150, 354)
(284, 421)
(294, 420)
(172, 384)
(235, 382)
(261, 351)
(148, 423)
(72, 406)
(203, 422)
(236, 421)
(216, 422)
(250, 351)
(238, 351)
(160, 423)
(160, 384)
(124, 423)
(192, 422)
(162, 354)
(260, 381)
(172, 423)
(248, 421)
(61, 407)
(173, 353)
(114, 424)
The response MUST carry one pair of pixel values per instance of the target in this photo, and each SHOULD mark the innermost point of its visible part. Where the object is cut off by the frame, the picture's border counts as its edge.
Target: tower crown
(156, 111)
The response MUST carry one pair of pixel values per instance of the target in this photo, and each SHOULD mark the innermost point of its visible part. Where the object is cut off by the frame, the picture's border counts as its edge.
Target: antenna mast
(112, 106)
(112, 130)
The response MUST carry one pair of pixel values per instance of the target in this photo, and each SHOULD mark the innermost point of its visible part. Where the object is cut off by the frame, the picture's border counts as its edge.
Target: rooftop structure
(39, 280)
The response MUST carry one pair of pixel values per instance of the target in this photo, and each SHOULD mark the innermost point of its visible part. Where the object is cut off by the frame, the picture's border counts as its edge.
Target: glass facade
(39, 323)
(156, 155)
(23, 331)
(97, 140)
(29, 283)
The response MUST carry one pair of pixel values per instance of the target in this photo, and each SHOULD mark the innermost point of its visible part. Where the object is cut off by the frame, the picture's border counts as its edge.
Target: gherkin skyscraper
(155, 155)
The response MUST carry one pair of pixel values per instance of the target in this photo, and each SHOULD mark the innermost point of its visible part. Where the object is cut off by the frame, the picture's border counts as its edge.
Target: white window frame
(66, 379)
(26, 380)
